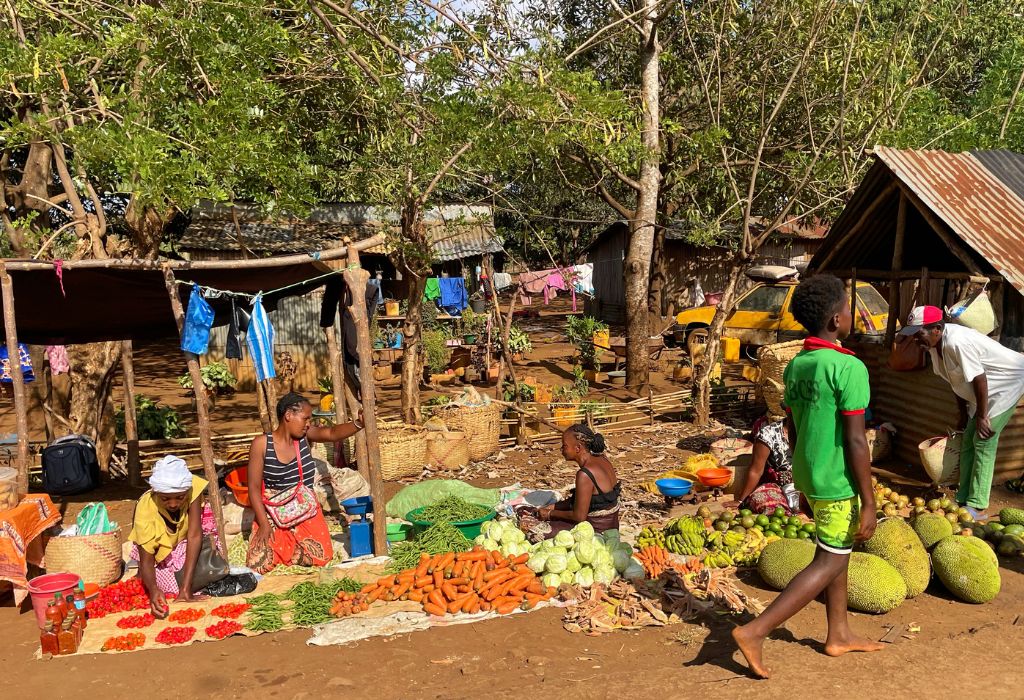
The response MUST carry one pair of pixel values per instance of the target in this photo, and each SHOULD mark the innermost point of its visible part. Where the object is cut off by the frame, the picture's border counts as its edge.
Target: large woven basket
(483, 423)
(403, 450)
(96, 558)
(940, 457)
(447, 450)
(879, 443)
(774, 358)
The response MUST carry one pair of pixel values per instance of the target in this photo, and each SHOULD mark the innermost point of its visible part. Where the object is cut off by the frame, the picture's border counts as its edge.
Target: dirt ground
(959, 649)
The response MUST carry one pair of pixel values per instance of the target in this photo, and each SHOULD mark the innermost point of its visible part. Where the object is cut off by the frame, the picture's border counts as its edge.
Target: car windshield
(872, 300)
(765, 299)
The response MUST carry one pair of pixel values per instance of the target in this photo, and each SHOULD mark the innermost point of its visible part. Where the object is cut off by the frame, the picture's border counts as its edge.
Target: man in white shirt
(988, 380)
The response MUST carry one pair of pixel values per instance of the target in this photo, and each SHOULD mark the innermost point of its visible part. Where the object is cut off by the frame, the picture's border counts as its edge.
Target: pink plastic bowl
(42, 589)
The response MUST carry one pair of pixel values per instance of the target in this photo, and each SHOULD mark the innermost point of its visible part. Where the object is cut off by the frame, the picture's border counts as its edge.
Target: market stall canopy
(97, 300)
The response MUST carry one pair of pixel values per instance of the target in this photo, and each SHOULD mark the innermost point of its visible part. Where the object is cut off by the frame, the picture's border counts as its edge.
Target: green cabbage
(621, 559)
(536, 562)
(584, 577)
(610, 535)
(634, 570)
(586, 551)
(565, 539)
(572, 563)
(489, 545)
(479, 539)
(552, 580)
(567, 577)
(491, 530)
(601, 558)
(583, 530)
(604, 574)
(556, 563)
(514, 535)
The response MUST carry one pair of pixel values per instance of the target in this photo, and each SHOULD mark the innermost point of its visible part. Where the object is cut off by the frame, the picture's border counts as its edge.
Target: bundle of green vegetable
(453, 509)
(310, 604)
(575, 556)
(436, 539)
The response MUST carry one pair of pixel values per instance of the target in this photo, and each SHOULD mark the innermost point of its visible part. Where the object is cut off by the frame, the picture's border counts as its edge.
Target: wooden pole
(506, 329)
(853, 298)
(131, 426)
(261, 406)
(337, 375)
(897, 265)
(17, 379)
(356, 279)
(924, 287)
(270, 392)
(202, 412)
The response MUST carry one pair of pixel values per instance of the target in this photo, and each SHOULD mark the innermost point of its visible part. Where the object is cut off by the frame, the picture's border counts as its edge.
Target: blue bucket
(674, 487)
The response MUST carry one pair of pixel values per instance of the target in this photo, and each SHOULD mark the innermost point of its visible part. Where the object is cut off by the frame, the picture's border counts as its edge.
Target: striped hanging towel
(260, 340)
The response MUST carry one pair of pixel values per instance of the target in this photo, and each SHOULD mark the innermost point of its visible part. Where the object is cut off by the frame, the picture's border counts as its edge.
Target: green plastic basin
(469, 528)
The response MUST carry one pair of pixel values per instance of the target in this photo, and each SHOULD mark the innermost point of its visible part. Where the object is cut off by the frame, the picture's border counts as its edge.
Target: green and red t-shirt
(823, 383)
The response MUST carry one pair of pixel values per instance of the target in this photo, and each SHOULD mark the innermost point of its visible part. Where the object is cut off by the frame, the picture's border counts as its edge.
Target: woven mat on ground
(99, 630)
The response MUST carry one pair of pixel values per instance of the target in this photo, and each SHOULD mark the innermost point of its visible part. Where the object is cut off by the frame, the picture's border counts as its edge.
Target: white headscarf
(170, 475)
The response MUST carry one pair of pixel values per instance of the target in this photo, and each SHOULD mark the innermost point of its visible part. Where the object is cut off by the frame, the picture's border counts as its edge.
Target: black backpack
(70, 466)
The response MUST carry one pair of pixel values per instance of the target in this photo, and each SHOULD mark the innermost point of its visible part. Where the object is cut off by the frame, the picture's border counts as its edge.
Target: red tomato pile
(231, 610)
(118, 597)
(224, 628)
(175, 635)
(186, 615)
(126, 642)
(135, 621)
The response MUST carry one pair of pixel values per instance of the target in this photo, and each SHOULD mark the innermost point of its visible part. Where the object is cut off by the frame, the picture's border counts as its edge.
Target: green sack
(93, 520)
(426, 492)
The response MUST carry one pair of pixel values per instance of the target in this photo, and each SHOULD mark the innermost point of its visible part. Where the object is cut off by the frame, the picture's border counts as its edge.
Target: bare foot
(750, 646)
(852, 644)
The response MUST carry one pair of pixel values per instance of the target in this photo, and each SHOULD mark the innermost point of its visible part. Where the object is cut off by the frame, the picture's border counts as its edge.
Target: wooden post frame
(17, 379)
(356, 279)
(131, 425)
(897, 266)
(202, 411)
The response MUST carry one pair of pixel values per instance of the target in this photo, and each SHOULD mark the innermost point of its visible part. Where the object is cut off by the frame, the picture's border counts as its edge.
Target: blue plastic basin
(674, 487)
(358, 506)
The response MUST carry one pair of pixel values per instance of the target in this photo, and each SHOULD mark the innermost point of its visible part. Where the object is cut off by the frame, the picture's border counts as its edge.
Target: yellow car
(762, 315)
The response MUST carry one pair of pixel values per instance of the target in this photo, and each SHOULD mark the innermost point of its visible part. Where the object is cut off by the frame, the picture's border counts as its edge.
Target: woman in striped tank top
(280, 460)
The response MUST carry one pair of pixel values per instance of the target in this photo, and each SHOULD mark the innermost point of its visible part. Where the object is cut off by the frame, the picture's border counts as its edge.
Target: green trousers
(978, 462)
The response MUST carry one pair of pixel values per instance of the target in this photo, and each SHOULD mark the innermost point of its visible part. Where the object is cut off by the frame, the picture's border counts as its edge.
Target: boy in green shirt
(826, 393)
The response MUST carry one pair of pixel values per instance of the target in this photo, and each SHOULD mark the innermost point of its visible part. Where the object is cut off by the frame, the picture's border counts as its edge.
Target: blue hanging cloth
(260, 340)
(195, 338)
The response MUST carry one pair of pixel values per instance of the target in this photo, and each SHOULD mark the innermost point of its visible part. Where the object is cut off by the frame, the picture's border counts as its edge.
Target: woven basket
(774, 358)
(448, 450)
(403, 450)
(728, 449)
(879, 443)
(96, 558)
(940, 457)
(482, 422)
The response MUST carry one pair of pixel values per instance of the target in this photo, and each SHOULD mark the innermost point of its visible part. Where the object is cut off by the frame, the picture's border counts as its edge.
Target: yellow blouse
(150, 528)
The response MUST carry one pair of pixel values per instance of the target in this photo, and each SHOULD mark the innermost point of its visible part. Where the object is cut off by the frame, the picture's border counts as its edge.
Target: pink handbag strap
(298, 461)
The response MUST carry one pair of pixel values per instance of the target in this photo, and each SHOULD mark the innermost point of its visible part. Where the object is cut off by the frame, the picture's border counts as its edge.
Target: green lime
(790, 532)
(780, 513)
(763, 520)
(776, 528)
(747, 522)
(745, 512)
(739, 528)
(795, 521)
(809, 528)
(721, 526)
(727, 516)
(803, 535)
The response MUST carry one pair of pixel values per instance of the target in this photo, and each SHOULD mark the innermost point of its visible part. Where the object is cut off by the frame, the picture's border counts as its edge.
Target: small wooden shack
(925, 226)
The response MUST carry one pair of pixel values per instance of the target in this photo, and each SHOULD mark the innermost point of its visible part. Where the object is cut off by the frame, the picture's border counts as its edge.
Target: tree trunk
(655, 295)
(701, 380)
(91, 410)
(412, 343)
(641, 227)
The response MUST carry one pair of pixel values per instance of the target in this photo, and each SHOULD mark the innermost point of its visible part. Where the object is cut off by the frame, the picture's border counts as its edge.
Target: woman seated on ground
(770, 479)
(596, 496)
(294, 531)
(167, 533)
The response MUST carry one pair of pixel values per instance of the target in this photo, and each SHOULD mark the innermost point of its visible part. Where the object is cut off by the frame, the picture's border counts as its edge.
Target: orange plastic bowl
(714, 477)
(237, 480)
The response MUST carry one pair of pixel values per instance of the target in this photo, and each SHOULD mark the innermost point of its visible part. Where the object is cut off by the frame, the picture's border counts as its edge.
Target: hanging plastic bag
(94, 520)
(195, 337)
(975, 312)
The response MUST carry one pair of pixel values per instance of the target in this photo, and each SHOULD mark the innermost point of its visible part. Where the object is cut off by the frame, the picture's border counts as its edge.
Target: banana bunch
(685, 536)
(717, 559)
(651, 537)
(750, 549)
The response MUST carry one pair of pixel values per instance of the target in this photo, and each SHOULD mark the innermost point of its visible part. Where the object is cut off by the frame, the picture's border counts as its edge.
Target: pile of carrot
(464, 582)
(346, 604)
(656, 560)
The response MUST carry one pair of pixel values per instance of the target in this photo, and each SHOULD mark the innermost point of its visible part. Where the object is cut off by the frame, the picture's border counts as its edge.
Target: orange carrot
(521, 559)
(434, 610)
(456, 605)
(375, 594)
(435, 598)
(485, 605)
(475, 606)
(402, 589)
(459, 570)
(520, 583)
(428, 588)
(367, 588)
(416, 596)
(536, 587)
(471, 600)
(497, 574)
(460, 581)
(438, 577)
(386, 581)
(449, 591)
(478, 554)
(506, 608)
(446, 560)
(423, 581)
(421, 569)
(478, 576)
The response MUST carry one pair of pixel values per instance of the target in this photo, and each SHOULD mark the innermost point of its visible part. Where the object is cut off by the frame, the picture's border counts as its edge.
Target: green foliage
(154, 422)
(217, 378)
(472, 323)
(580, 332)
(437, 353)
(526, 392)
(575, 391)
(325, 385)
(519, 341)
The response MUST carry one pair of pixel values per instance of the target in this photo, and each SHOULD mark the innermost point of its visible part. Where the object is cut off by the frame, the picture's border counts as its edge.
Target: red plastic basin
(42, 589)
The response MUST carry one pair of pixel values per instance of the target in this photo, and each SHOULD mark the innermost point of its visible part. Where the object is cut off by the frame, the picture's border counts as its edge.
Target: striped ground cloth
(260, 340)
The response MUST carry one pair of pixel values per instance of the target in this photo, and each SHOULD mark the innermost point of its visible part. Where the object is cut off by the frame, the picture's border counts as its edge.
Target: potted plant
(580, 331)
(472, 326)
(155, 422)
(217, 379)
(518, 342)
(566, 398)
(326, 387)
(526, 394)
(594, 412)
(378, 337)
(436, 353)
(391, 307)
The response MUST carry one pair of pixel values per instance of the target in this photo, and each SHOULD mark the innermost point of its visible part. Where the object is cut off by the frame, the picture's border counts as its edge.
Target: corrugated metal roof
(456, 231)
(1005, 165)
(985, 212)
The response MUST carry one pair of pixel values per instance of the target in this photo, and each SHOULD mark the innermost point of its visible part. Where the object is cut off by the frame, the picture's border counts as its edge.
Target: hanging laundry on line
(260, 340)
(453, 294)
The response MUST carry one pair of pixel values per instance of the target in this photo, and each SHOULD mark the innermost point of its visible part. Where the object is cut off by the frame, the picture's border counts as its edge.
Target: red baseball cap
(920, 317)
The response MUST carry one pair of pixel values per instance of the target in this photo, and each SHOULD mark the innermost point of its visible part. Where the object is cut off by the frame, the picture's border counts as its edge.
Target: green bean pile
(436, 539)
(266, 613)
(310, 605)
(453, 509)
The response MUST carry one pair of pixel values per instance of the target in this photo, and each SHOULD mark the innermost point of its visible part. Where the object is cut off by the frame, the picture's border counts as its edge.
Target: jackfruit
(931, 528)
(897, 543)
(1011, 516)
(968, 568)
(874, 585)
(782, 560)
